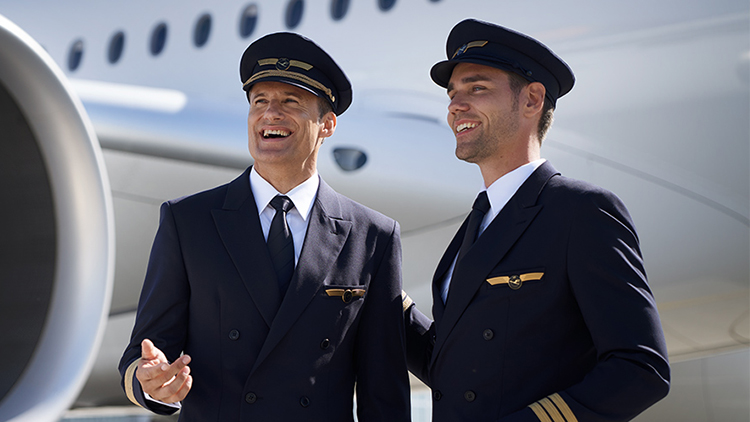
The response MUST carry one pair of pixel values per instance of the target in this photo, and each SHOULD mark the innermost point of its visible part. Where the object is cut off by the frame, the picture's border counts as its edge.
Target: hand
(160, 380)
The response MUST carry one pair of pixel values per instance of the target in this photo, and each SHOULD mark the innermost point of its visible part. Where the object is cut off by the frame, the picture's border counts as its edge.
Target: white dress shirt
(302, 196)
(499, 193)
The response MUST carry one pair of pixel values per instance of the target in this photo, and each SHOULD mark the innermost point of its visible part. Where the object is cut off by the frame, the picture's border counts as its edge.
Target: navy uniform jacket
(549, 316)
(211, 292)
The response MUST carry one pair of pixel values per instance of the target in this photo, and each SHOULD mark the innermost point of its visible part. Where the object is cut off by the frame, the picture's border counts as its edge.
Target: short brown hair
(517, 83)
(324, 107)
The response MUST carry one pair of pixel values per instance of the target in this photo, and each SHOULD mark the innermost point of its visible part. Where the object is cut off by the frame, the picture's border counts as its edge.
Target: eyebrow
(265, 94)
(470, 79)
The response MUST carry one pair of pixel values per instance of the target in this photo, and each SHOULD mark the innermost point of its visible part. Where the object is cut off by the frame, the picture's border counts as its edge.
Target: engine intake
(56, 235)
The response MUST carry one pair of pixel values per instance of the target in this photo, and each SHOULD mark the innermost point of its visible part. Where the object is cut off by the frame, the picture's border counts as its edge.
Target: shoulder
(357, 212)
(207, 196)
(584, 202)
(547, 186)
(215, 197)
(577, 192)
(337, 205)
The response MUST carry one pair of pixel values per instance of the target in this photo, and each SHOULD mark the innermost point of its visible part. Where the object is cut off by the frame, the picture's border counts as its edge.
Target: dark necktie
(280, 243)
(478, 211)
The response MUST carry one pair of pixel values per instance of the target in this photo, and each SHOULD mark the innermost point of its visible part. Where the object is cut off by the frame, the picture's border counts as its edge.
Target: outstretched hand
(160, 380)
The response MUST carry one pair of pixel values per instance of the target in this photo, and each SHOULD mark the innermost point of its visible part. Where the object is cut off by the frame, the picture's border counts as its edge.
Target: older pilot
(282, 295)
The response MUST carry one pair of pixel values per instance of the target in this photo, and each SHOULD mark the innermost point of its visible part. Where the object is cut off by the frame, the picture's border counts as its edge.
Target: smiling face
(285, 131)
(483, 113)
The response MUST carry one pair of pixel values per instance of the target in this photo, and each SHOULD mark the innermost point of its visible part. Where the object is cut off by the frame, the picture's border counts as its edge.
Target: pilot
(272, 297)
(541, 307)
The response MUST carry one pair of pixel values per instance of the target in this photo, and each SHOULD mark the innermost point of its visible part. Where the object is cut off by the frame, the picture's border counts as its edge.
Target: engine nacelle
(56, 235)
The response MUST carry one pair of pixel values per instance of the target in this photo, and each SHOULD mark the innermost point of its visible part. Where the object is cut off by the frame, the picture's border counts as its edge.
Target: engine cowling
(56, 235)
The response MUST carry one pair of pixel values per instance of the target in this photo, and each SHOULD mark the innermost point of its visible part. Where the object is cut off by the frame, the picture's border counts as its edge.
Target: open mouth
(275, 134)
(465, 126)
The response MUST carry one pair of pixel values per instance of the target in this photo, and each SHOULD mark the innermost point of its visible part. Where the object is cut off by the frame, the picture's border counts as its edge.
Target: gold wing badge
(515, 281)
(345, 294)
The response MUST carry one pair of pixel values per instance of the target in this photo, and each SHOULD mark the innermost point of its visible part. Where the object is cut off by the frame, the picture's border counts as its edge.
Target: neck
(501, 164)
(284, 179)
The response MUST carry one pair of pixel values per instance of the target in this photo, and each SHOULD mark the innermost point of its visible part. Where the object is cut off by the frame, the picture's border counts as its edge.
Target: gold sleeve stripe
(295, 63)
(129, 380)
(539, 412)
(552, 410)
(523, 277)
(405, 301)
(560, 403)
(291, 75)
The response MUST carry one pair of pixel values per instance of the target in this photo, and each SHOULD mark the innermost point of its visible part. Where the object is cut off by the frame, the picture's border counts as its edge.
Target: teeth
(463, 126)
(275, 133)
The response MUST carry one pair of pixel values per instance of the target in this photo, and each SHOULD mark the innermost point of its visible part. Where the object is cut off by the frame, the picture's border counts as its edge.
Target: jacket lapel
(489, 249)
(327, 232)
(238, 225)
(438, 307)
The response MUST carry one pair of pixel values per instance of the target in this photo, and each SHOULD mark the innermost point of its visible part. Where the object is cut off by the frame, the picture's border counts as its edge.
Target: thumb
(148, 350)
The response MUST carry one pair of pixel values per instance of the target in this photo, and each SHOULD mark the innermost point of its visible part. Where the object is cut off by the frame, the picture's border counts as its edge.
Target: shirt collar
(303, 195)
(502, 189)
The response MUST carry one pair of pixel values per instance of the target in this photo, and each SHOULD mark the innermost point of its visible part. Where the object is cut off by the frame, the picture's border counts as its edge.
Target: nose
(458, 104)
(273, 111)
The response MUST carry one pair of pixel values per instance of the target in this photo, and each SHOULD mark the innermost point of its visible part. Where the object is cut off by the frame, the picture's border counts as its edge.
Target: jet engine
(56, 235)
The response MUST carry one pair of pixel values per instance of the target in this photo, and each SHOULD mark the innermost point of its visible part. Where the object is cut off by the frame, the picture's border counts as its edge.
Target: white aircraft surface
(660, 115)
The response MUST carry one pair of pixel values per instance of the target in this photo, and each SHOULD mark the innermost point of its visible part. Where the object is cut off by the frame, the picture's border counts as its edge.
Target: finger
(149, 371)
(183, 391)
(149, 351)
(177, 388)
(154, 377)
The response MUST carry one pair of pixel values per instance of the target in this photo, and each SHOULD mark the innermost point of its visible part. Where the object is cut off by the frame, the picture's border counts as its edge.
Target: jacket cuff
(135, 394)
(129, 382)
(549, 409)
(553, 409)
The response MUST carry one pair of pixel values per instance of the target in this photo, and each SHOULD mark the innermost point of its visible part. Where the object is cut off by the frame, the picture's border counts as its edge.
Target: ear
(328, 125)
(534, 99)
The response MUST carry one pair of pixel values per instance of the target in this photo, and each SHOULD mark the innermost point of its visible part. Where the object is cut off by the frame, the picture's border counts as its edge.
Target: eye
(477, 88)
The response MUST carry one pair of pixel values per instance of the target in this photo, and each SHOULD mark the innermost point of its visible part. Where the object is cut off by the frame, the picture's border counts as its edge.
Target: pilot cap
(474, 41)
(296, 60)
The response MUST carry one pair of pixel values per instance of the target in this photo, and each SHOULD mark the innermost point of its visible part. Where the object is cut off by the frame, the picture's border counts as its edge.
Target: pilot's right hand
(160, 380)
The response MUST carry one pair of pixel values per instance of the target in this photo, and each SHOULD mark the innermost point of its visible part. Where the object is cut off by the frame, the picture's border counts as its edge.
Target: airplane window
(349, 159)
(339, 9)
(75, 55)
(294, 13)
(202, 30)
(116, 46)
(248, 20)
(386, 5)
(158, 39)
